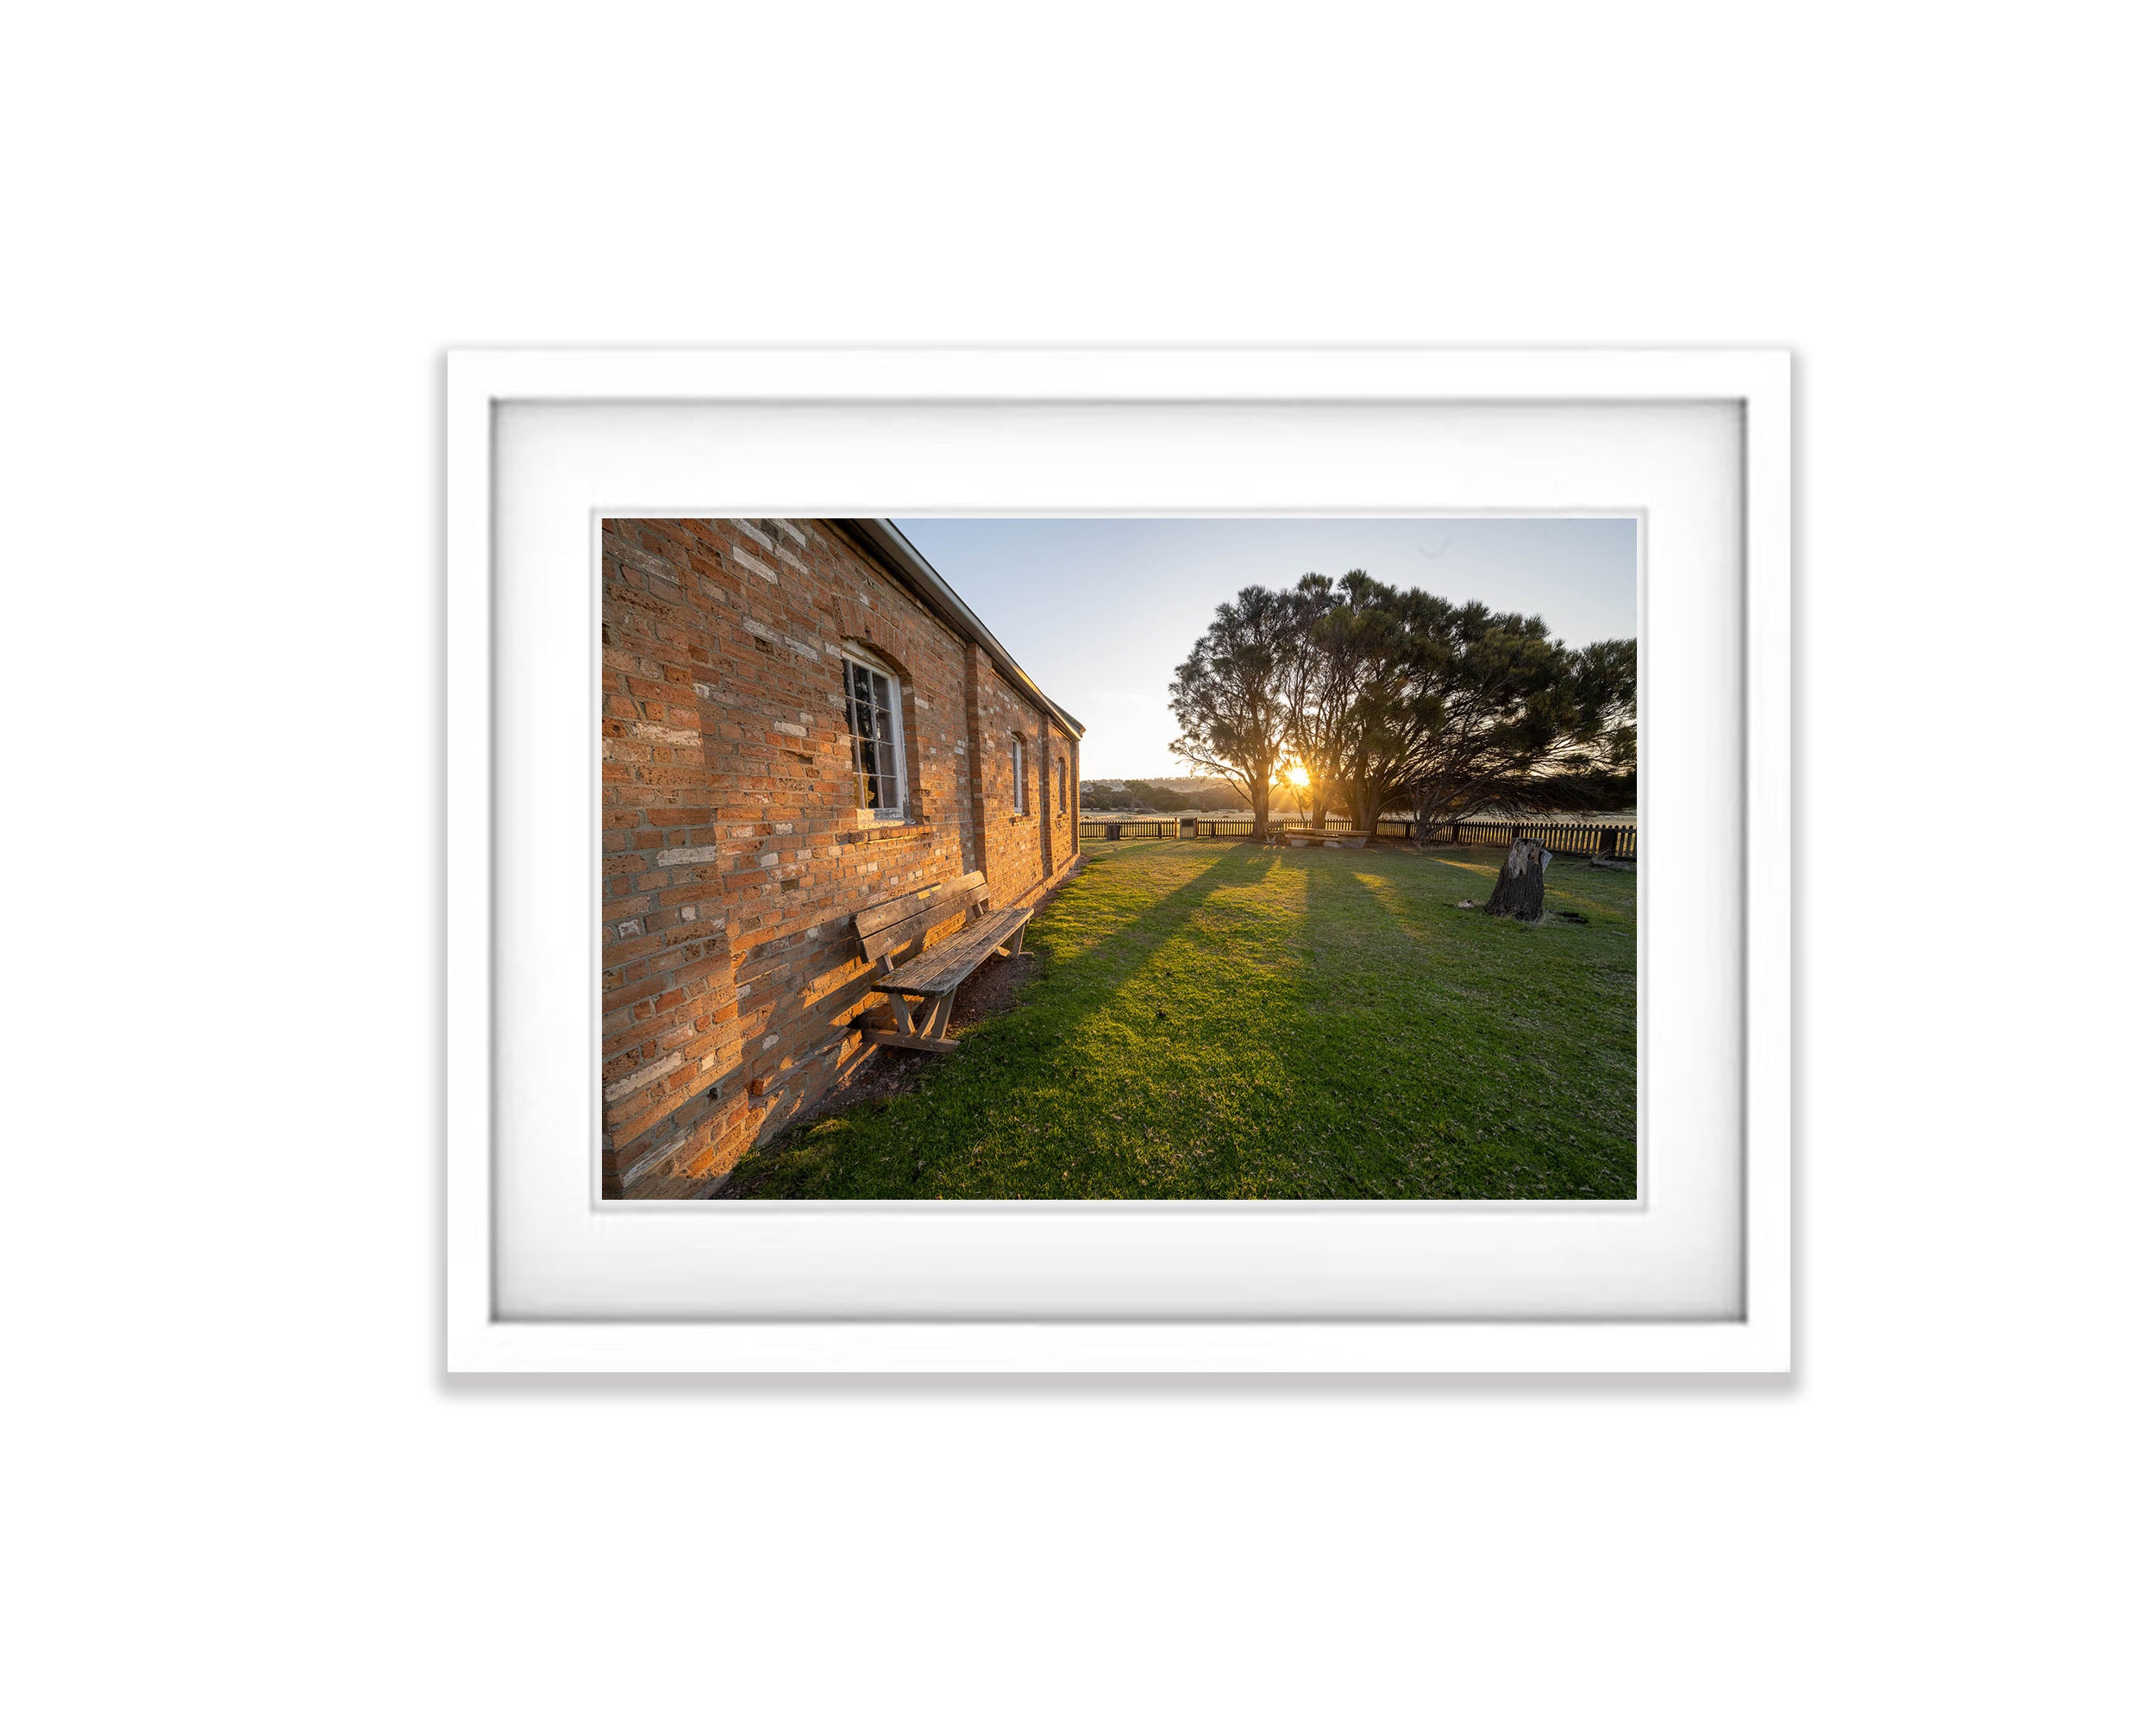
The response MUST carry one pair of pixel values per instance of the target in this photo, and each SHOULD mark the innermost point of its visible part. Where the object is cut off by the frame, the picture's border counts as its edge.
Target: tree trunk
(1519, 890)
(1364, 806)
(1260, 775)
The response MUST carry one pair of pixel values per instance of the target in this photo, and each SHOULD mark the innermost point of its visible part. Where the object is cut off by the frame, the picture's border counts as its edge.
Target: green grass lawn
(1217, 1020)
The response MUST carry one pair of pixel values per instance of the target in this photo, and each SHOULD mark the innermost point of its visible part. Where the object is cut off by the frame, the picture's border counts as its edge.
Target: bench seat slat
(943, 967)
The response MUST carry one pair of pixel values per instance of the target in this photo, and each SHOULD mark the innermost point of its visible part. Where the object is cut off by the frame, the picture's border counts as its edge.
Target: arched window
(1018, 774)
(1059, 784)
(873, 716)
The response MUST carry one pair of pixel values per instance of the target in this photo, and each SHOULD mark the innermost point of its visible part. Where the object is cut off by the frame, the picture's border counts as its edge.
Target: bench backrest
(899, 922)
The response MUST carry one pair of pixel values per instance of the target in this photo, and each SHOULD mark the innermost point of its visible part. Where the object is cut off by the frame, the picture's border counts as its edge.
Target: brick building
(798, 719)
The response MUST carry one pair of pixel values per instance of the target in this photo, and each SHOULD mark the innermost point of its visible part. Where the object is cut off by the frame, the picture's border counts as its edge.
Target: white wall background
(241, 1487)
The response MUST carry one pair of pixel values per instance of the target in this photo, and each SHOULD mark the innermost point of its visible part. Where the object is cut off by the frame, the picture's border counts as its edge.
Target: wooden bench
(932, 977)
(1340, 837)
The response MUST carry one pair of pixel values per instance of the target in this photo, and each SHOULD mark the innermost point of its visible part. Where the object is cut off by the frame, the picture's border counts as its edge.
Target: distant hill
(1198, 795)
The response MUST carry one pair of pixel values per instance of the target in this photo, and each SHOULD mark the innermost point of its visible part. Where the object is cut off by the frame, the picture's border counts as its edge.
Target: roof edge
(897, 553)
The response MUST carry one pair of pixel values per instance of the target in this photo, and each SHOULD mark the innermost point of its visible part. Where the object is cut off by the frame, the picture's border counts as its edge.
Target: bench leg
(902, 1012)
(941, 1017)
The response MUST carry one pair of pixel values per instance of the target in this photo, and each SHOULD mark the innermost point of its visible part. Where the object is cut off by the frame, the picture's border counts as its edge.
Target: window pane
(871, 718)
(860, 721)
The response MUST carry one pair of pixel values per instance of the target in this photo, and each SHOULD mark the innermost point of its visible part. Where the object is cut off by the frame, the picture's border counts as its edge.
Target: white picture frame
(528, 1292)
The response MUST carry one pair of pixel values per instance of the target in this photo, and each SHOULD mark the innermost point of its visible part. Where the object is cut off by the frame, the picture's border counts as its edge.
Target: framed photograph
(1000, 860)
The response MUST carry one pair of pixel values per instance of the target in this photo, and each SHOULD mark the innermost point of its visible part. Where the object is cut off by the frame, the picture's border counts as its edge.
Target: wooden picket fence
(1111, 831)
(1567, 838)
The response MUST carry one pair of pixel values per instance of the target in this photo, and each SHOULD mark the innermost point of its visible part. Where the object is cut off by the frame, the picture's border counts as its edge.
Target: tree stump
(1519, 889)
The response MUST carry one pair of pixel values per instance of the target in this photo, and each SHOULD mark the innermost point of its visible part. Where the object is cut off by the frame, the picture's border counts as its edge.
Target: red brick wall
(734, 856)
(1038, 842)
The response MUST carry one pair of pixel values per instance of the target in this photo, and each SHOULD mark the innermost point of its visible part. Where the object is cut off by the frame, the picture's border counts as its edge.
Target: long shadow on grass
(1118, 873)
(1107, 962)
(1005, 1115)
(1172, 1080)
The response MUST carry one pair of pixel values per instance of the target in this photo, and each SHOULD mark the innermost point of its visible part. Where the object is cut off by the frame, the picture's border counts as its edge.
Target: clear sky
(1101, 611)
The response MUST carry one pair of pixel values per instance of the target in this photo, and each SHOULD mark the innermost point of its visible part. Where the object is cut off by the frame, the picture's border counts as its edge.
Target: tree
(1361, 648)
(1503, 717)
(1391, 697)
(1228, 697)
(1318, 681)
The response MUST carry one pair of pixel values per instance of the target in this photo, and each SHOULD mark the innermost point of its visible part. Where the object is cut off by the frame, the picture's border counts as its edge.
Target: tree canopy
(1394, 699)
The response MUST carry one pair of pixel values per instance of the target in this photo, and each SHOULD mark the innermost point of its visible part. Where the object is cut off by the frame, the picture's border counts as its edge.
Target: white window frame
(1018, 773)
(849, 658)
